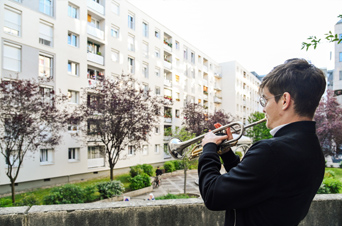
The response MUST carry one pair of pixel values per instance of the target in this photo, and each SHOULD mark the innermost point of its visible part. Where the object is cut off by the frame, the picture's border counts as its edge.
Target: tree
(219, 117)
(29, 119)
(260, 131)
(194, 118)
(328, 119)
(118, 115)
(314, 41)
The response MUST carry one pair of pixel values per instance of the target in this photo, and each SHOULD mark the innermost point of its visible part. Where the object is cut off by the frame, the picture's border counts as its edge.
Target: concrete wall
(325, 210)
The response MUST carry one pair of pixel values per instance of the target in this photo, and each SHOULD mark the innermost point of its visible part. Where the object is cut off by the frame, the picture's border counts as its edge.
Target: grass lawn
(337, 171)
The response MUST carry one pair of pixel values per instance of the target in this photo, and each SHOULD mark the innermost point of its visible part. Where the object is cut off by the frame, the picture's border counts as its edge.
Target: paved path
(173, 185)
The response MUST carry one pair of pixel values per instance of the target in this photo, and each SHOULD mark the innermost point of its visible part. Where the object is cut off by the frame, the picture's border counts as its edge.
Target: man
(159, 172)
(277, 179)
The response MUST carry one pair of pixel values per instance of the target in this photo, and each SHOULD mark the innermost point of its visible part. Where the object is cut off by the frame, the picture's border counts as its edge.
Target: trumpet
(177, 148)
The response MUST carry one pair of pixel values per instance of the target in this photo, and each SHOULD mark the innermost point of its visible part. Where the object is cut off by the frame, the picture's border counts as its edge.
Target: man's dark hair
(305, 83)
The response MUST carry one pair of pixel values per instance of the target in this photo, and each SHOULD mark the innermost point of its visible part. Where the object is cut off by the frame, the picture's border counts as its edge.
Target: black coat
(274, 183)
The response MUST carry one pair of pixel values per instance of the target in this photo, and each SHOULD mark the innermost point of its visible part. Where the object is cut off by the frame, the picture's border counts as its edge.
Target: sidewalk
(173, 185)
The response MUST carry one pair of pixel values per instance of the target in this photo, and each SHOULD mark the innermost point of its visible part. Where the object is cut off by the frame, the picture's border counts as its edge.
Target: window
(45, 34)
(12, 57)
(72, 128)
(73, 154)
(340, 57)
(114, 32)
(157, 33)
(146, 88)
(46, 6)
(93, 22)
(177, 113)
(177, 78)
(156, 148)
(157, 53)
(72, 39)
(73, 96)
(157, 89)
(131, 21)
(73, 11)
(95, 152)
(115, 55)
(157, 71)
(185, 53)
(145, 49)
(145, 150)
(12, 21)
(46, 93)
(130, 65)
(177, 45)
(145, 70)
(116, 8)
(45, 66)
(157, 130)
(340, 75)
(131, 150)
(145, 29)
(73, 68)
(93, 48)
(46, 156)
(192, 55)
(131, 43)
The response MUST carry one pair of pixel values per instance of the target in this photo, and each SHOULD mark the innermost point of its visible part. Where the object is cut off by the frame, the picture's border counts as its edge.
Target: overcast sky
(258, 34)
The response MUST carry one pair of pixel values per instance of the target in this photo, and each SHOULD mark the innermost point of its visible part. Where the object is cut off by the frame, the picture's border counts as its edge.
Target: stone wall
(325, 210)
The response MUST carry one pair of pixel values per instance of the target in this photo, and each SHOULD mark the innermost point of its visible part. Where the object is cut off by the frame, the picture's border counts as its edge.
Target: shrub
(136, 170)
(330, 185)
(109, 189)
(193, 164)
(65, 194)
(239, 153)
(140, 181)
(329, 174)
(90, 193)
(27, 200)
(148, 169)
(5, 202)
(169, 167)
(177, 164)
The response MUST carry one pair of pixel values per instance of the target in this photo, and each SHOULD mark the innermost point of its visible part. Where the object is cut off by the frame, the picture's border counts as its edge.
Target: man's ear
(286, 100)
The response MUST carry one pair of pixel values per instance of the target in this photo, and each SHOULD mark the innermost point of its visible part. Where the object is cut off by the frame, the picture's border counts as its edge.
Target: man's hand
(212, 138)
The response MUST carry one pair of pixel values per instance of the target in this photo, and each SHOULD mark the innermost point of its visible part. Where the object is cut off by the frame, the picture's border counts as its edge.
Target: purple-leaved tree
(328, 119)
(29, 120)
(118, 114)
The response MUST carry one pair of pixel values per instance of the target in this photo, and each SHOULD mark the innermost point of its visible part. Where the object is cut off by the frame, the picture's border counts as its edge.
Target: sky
(259, 34)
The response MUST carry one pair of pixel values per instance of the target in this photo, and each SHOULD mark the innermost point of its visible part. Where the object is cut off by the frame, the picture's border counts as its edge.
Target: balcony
(217, 100)
(167, 83)
(95, 32)
(217, 87)
(93, 83)
(95, 6)
(168, 120)
(95, 58)
(167, 65)
(217, 75)
(167, 100)
(167, 46)
(205, 68)
(98, 162)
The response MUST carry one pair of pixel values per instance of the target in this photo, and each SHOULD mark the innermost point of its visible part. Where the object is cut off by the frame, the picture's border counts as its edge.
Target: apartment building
(337, 78)
(79, 42)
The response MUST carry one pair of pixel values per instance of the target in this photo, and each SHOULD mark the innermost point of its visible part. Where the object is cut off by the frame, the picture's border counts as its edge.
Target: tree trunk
(185, 169)
(111, 173)
(13, 190)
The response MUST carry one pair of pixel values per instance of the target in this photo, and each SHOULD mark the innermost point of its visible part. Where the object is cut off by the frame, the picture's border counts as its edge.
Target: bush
(109, 189)
(177, 164)
(27, 200)
(148, 169)
(65, 194)
(239, 153)
(140, 181)
(179, 196)
(329, 174)
(5, 202)
(169, 167)
(136, 170)
(330, 185)
(90, 193)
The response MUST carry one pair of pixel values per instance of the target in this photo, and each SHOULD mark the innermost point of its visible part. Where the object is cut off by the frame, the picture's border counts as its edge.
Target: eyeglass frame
(263, 100)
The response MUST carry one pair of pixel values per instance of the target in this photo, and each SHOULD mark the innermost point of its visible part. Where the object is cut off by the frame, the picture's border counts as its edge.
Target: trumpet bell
(175, 148)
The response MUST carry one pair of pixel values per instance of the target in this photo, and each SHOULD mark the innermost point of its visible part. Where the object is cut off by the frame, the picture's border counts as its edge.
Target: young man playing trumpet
(278, 178)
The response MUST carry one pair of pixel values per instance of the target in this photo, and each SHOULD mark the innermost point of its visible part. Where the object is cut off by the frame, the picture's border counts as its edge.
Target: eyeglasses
(263, 100)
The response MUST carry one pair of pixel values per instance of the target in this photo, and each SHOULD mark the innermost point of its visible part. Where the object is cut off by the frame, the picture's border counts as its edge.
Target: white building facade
(77, 43)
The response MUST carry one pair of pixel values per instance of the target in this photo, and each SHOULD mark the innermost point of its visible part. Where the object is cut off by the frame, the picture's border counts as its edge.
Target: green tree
(314, 41)
(260, 131)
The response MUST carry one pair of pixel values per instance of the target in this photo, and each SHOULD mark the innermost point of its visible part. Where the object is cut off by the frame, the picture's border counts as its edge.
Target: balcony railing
(168, 83)
(205, 68)
(95, 32)
(217, 75)
(95, 58)
(167, 65)
(95, 6)
(167, 47)
(168, 120)
(217, 100)
(217, 87)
